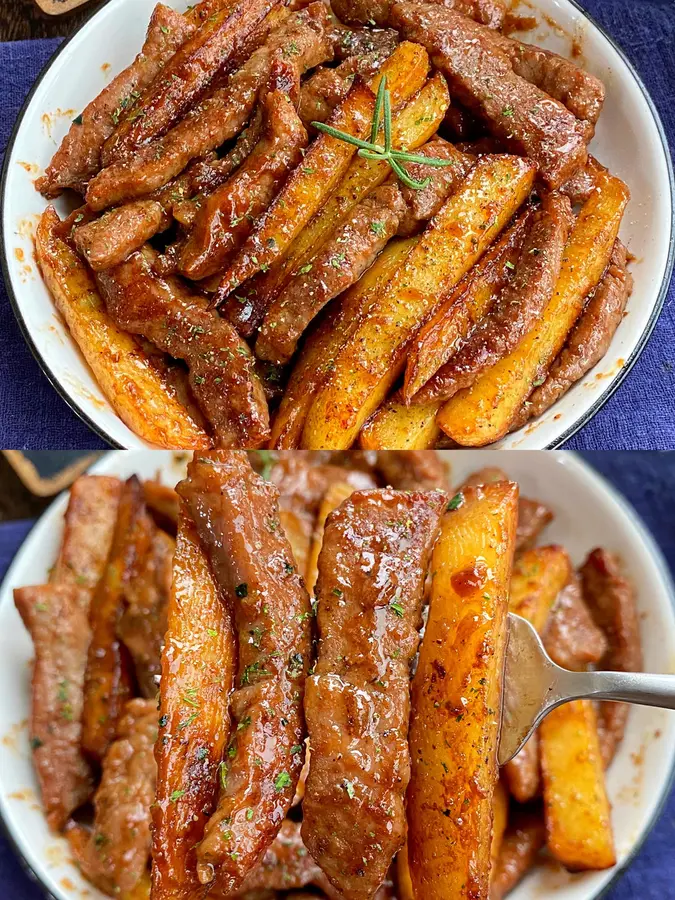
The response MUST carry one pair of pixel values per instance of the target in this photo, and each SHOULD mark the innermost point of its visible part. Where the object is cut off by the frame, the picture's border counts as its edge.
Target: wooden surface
(21, 20)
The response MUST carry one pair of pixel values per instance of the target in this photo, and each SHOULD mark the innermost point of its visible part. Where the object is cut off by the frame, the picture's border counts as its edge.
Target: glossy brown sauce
(470, 580)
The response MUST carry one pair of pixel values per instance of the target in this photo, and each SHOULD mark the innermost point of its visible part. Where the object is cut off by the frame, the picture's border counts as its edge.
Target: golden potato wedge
(500, 815)
(137, 385)
(456, 695)
(396, 426)
(198, 665)
(412, 126)
(577, 811)
(483, 413)
(405, 888)
(437, 341)
(316, 357)
(538, 577)
(325, 163)
(334, 496)
(374, 355)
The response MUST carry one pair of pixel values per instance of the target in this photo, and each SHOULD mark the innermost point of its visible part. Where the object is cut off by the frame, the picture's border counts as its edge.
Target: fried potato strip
(198, 664)
(374, 355)
(136, 384)
(456, 694)
(482, 414)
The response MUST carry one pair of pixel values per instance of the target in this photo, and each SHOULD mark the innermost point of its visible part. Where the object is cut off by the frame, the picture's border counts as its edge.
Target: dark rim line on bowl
(610, 388)
(655, 553)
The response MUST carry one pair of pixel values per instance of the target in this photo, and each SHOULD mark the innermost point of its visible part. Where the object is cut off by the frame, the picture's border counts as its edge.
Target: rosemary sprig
(372, 150)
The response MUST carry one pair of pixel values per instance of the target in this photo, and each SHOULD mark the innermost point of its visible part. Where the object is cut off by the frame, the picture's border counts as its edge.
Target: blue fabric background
(639, 416)
(648, 482)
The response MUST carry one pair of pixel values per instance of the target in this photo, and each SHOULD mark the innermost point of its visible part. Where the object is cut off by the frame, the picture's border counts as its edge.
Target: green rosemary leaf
(382, 89)
(342, 136)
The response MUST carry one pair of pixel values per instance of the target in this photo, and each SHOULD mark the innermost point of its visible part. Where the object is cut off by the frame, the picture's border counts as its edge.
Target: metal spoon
(534, 686)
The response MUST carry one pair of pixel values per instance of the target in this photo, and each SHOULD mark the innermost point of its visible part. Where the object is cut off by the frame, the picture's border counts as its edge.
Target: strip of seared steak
(611, 600)
(372, 569)
(221, 366)
(339, 263)
(237, 517)
(225, 218)
(519, 304)
(114, 856)
(220, 116)
(56, 618)
(588, 341)
(516, 111)
(79, 156)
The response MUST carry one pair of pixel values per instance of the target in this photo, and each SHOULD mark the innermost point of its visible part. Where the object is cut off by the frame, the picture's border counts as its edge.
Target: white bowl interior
(628, 140)
(588, 513)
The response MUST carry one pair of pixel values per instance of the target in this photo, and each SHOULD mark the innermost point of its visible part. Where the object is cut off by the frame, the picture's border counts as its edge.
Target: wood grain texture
(22, 20)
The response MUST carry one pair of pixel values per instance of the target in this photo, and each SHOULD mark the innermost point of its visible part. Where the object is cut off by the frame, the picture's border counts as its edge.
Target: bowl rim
(584, 471)
(612, 385)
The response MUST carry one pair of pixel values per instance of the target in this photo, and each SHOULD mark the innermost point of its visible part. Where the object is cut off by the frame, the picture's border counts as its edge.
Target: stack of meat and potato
(289, 753)
(236, 278)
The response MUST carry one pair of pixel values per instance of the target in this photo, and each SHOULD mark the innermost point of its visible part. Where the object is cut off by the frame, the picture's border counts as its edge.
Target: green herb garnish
(372, 150)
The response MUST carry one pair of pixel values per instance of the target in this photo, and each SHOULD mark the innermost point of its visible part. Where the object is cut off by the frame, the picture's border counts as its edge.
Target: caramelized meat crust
(225, 218)
(588, 341)
(571, 638)
(525, 836)
(115, 855)
(338, 264)
(520, 302)
(56, 617)
(107, 241)
(79, 156)
(237, 517)
(219, 117)
(611, 600)
(187, 75)
(89, 524)
(143, 622)
(515, 111)
(372, 570)
(410, 470)
(222, 378)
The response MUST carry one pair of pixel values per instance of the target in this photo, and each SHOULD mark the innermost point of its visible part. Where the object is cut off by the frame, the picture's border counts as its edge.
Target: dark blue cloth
(648, 482)
(638, 416)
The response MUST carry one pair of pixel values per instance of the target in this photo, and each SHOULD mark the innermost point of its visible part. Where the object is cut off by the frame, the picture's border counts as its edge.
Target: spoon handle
(628, 687)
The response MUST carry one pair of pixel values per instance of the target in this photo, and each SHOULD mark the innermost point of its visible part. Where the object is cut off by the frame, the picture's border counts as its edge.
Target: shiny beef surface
(372, 570)
(237, 517)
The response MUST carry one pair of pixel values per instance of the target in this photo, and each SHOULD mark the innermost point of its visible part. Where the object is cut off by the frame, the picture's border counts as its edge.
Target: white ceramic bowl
(588, 513)
(630, 140)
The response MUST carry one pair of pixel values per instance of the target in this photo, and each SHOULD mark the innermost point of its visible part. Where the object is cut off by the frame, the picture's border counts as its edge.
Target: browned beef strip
(114, 856)
(611, 601)
(339, 263)
(237, 517)
(143, 622)
(519, 304)
(376, 12)
(533, 516)
(285, 866)
(107, 241)
(349, 43)
(588, 341)
(221, 366)
(327, 87)
(89, 523)
(220, 116)
(483, 79)
(571, 638)
(79, 156)
(56, 618)
(463, 126)
(525, 836)
(582, 93)
(582, 184)
(410, 470)
(422, 205)
(372, 570)
(522, 773)
(226, 217)
(187, 75)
